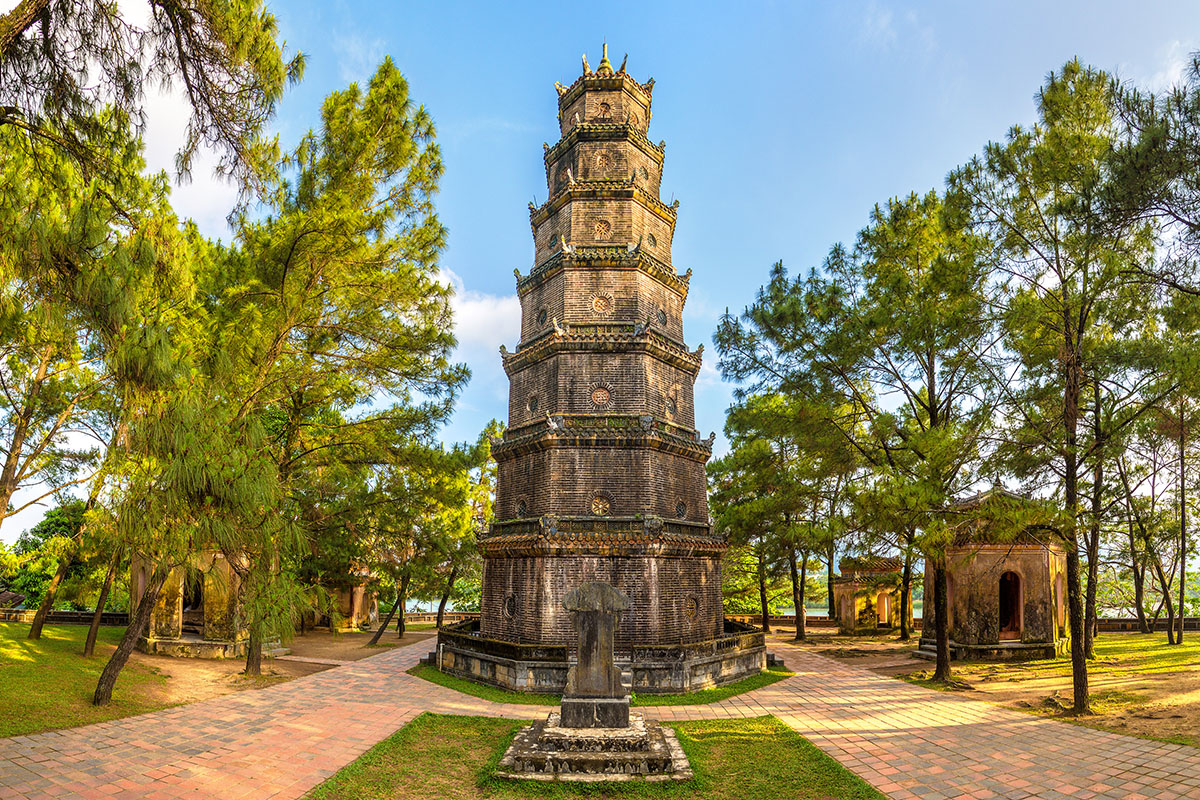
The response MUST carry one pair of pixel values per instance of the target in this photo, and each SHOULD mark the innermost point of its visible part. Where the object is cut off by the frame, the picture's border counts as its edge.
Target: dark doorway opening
(1010, 606)
(193, 605)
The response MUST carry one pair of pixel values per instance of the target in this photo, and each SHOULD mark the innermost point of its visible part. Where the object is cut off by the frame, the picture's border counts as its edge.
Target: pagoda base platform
(1000, 651)
(653, 669)
(186, 646)
(547, 751)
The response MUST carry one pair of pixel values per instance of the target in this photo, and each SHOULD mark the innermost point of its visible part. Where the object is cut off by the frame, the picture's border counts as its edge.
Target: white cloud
(1173, 59)
(357, 57)
(878, 28)
(204, 198)
(483, 322)
(881, 30)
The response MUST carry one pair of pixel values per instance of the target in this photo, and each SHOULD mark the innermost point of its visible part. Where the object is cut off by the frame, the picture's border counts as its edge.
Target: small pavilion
(1006, 592)
(867, 595)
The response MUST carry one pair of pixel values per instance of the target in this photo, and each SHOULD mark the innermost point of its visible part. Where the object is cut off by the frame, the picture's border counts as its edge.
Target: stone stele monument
(595, 737)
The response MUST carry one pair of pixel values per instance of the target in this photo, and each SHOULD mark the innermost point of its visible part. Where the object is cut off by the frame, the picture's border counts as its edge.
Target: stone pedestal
(551, 751)
(594, 737)
(595, 712)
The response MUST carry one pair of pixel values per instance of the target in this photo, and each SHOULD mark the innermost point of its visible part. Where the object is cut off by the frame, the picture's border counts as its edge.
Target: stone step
(430, 659)
(276, 652)
(774, 661)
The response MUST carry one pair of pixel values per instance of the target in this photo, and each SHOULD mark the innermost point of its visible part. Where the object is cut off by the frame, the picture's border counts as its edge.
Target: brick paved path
(281, 741)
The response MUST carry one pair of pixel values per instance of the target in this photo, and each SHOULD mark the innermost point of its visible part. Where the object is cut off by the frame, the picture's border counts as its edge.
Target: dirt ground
(1127, 696)
(192, 679)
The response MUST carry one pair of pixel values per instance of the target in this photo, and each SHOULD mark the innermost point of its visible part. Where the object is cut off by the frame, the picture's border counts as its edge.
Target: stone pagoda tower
(601, 470)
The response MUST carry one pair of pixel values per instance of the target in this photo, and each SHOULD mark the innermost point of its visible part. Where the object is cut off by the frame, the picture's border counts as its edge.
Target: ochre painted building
(1006, 594)
(601, 469)
(867, 594)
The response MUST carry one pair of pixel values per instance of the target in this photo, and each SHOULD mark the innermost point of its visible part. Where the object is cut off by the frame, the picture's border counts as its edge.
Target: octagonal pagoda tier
(601, 468)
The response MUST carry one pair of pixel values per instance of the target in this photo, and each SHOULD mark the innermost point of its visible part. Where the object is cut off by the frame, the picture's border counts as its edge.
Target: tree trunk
(446, 595)
(1139, 580)
(383, 626)
(16, 21)
(1072, 386)
(39, 619)
(905, 595)
(762, 589)
(801, 613)
(254, 650)
(1093, 540)
(797, 594)
(1166, 596)
(1182, 522)
(1170, 618)
(89, 646)
(831, 611)
(941, 615)
(400, 623)
(137, 625)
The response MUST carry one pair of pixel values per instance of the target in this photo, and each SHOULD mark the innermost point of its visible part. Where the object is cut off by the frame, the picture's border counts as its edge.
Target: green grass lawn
(1116, 654)
(702, 697)
(454, 758)
(48, 684)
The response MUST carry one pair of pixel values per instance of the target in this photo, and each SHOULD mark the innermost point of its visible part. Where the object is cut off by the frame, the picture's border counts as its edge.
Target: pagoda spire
(605, 67)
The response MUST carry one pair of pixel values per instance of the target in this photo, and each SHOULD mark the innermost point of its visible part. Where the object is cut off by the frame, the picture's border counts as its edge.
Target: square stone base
(595, 712)
(547, 751)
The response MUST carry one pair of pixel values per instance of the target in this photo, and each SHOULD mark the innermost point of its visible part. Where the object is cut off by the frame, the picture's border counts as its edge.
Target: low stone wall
(63, 617)
(1189, 624)
(651, 670)
(193, 648)
(448, 617)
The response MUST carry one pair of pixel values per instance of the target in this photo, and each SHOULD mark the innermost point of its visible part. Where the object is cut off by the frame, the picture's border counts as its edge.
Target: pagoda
(601, 469)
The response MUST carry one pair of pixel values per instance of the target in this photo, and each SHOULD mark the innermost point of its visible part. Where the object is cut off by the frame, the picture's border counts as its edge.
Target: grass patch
(47, 683)
(1116, 654)
(489, 693)
(454, 757)
(702, 697)
(716, 694)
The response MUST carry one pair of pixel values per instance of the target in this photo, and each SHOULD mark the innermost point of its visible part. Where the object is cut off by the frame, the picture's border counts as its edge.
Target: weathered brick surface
(663, 585)
(563, 481)
(566, 383)
(601, 414)
(974, 573)
(570, 297)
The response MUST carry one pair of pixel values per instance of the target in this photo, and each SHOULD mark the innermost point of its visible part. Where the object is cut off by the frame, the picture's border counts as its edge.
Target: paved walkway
(281, 741)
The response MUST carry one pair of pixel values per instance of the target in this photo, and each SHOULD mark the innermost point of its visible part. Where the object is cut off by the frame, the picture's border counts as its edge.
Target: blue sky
(785, 123)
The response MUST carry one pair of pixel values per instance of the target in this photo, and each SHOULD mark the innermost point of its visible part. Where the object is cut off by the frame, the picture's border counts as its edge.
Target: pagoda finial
(605, 67)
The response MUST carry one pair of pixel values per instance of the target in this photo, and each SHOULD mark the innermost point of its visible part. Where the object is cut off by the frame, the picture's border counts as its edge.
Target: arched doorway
(883, 608)
(1060, 615)
(1010, 606)
(193, 604)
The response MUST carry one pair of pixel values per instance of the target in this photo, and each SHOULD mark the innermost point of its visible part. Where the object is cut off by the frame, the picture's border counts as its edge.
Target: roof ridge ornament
(587, 68)
(605, 67)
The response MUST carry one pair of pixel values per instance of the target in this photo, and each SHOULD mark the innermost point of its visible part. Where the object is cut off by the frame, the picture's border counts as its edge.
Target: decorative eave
(604, 430)
(604, 190)
(870, 563)
(591, 80)
(604, 132)
(629, 257)
(605, 337)
(600, 535)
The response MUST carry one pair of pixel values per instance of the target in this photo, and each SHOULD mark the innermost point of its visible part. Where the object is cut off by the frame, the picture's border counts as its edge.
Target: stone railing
(64, 617)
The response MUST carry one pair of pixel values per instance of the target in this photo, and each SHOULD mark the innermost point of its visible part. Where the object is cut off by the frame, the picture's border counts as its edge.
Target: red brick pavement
(281, 741)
